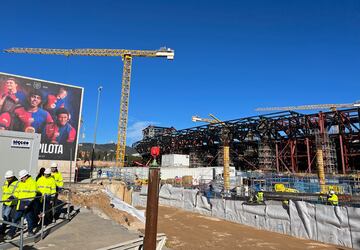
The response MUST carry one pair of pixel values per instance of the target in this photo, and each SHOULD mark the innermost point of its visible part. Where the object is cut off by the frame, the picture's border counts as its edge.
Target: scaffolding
(329, 151)
(196, 159)
(266, 156)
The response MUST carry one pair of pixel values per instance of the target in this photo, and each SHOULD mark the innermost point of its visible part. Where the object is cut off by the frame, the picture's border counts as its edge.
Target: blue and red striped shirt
(37, 120)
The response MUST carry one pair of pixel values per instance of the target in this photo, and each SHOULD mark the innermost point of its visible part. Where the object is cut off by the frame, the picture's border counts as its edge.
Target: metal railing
(43, 213)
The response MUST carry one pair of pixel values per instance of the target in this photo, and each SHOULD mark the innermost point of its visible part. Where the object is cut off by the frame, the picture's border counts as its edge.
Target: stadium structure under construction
(277, 142)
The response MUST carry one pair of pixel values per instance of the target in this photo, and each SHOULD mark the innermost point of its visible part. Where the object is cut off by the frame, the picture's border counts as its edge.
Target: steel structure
(288, 139)
(127, 56)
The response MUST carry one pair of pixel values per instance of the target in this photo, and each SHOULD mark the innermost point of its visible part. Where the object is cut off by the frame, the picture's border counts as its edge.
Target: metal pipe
(71, 166)
(292, 156)
(277, 157)
(53, 208)
(96, 122)
(321, 123)
(226, 169)
(43, 217)
(21, 245)
(152, 207)
(68, 205)
(346, 158)
(342, 154)
(308, 154)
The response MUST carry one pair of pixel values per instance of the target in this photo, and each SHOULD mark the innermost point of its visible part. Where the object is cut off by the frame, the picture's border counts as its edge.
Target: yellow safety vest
(333, 199)
(58, 179)
(8, 190)
(25, 190)
(46, 185)
(260, 197)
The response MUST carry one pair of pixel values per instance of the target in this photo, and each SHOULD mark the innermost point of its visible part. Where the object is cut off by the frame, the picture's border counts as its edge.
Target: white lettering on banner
(51, 148)
(18, 143)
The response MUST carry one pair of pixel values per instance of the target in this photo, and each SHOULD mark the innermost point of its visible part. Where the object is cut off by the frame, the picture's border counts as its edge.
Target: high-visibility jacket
(260, 196)
(25, 190)
(333, 199)
(46, 185)
(58, 179)
(8, 190)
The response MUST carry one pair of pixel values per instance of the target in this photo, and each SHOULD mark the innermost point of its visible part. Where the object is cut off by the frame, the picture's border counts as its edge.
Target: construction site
(281, 175)
(285, 177)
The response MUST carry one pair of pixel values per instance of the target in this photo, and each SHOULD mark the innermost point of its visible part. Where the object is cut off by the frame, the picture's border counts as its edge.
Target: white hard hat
(9, 174)
(47, 171)
(53, 165)
(332, 192)
(23, 173)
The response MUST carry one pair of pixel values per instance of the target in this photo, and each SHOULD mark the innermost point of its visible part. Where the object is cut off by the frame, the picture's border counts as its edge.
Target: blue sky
(230, 56)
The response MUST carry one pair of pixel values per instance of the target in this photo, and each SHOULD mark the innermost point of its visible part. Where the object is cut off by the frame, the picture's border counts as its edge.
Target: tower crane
(196, 118)
(226, 149)
(332, 107)
(127, 56)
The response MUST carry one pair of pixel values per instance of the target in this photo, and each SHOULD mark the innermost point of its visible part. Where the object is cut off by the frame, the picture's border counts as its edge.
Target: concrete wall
(172, 172)
(335, 225)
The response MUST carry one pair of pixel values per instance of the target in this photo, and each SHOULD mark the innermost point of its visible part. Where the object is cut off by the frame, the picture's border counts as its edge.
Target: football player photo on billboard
(48, 108)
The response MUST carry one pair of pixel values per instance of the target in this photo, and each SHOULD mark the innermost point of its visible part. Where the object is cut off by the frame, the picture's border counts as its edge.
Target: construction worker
(333, 198)
(57, 176)
(25, 194)
(47, 187)
(8, 189)
(59, 184)
(260, 196)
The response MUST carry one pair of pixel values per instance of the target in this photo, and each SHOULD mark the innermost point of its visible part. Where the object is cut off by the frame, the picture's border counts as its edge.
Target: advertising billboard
(48, 108)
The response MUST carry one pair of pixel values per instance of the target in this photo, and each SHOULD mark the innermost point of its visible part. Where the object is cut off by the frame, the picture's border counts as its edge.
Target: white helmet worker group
(23, 193)
(24, 172)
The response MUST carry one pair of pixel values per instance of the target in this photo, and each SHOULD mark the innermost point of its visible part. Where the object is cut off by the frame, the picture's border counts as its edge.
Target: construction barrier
(330, 224)
(277, 218)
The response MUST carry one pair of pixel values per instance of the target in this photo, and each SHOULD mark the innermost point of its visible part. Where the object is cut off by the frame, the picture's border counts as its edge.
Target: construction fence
(335, 225)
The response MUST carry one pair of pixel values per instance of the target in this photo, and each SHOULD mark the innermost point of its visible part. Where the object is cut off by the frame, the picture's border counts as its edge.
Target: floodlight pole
(96, 123)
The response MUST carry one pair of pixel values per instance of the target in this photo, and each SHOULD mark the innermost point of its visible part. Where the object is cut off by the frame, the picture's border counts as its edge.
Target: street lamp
(96, 123)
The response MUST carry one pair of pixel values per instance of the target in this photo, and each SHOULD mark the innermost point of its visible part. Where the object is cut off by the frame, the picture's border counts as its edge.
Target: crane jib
(127, 56)
(94, 52)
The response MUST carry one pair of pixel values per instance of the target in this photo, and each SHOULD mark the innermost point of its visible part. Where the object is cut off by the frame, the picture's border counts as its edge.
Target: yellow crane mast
(126, 56)
(225, 146)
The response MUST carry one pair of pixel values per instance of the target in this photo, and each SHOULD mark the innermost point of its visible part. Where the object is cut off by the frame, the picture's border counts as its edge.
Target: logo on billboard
(17, 143)
(37, 85)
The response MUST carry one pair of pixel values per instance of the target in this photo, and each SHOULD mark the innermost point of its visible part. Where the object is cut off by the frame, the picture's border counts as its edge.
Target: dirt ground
(187, 231)
(99, 203)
